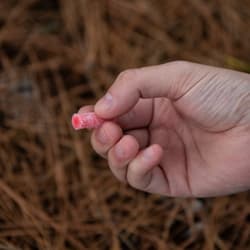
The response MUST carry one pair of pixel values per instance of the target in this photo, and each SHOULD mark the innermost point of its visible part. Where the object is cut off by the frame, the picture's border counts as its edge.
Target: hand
(181, 129)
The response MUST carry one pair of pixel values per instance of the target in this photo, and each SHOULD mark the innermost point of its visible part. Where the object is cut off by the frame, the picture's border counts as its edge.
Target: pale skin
(178, 129)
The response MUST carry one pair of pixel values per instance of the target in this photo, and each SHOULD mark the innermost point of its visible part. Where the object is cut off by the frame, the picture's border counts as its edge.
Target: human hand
(178, 129)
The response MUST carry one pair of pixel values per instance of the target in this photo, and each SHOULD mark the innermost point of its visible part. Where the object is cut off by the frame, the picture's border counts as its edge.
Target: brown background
(56, 56)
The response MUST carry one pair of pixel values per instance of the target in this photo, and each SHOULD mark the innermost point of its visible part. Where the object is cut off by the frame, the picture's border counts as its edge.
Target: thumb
(164, 80)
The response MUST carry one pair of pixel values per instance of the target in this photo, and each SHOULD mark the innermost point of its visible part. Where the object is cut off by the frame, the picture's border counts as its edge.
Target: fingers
(156, 81)
(144, 172)
(121, 154)
(141, 136)
(140, 170)
(84, 109)
(105, 137)
(139, 116)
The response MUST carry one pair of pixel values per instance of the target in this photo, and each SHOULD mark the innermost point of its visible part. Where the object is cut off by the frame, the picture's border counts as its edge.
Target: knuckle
(138, 179)
(126, 119)
(137, 185)
(128, 137)
(130, 116)
(128, 76)
(133, 183)
(181, 64)
(119, 173)
(100, 150)
(133, 177)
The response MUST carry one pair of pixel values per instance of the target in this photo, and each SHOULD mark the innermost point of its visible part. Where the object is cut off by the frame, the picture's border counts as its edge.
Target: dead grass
(56, 56)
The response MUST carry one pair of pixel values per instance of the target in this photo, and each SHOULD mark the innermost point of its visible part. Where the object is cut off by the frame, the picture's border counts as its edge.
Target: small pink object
(86, 120)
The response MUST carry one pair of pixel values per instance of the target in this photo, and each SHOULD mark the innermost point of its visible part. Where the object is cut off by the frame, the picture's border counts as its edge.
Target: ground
(56, 56)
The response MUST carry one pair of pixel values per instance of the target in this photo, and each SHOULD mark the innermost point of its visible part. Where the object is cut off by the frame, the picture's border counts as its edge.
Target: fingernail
(106, 101)
(120, 152)
(102, 136)
(148, 153)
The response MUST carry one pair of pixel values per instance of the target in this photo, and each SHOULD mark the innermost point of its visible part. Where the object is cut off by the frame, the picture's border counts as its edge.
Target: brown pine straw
(56, 56)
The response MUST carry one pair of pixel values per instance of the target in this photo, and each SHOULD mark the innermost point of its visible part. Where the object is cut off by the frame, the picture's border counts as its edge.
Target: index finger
(149, 82)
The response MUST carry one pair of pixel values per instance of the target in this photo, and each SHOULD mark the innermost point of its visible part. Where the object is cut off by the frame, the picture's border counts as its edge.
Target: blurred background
(58, 55)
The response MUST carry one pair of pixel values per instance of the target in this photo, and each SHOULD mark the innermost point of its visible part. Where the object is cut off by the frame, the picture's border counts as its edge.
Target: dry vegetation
(56, 56)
